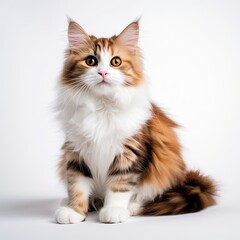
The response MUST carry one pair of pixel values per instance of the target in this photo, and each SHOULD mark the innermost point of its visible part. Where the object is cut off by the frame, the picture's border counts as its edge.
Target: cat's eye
(91, 61)
(116, 61)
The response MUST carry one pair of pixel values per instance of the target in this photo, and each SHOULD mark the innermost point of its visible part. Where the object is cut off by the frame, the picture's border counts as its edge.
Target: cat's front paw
(68, 215)
(113, 215)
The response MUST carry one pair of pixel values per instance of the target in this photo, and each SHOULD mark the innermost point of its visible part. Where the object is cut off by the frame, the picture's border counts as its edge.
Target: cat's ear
(76, 35)
(129, 36)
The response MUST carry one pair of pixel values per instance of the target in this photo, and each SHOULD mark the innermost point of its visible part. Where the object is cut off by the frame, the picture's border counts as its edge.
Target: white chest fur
(98, 127)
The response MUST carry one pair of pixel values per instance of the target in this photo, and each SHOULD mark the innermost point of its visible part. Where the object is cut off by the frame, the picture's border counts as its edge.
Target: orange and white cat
(121, 154)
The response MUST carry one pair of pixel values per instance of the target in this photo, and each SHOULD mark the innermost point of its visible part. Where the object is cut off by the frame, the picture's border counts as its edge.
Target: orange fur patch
(167, 167)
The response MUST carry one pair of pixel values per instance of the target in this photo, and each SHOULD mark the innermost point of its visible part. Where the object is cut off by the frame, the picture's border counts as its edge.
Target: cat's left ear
(129, 36)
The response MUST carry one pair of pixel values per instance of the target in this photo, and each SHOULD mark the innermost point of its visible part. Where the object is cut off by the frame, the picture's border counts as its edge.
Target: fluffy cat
(121, 154)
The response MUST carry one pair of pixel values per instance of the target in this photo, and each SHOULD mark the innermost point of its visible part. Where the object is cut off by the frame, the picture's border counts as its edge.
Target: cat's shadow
(35, 209)
(29, 208)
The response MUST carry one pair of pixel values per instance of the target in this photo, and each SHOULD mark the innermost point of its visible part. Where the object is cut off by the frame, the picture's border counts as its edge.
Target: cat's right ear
(76, 35)
(129, 36)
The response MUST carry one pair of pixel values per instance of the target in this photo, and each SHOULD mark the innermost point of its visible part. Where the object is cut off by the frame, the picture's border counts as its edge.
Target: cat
(121, 155)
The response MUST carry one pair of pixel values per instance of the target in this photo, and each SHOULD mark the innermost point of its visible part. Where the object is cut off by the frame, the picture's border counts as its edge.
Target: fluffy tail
(197, 192)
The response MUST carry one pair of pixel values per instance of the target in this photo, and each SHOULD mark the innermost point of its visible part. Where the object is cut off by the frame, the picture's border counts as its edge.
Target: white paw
(113, 215)
(68, 215)
(134, 208)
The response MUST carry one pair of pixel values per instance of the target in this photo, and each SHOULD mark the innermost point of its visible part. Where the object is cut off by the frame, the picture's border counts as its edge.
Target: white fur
(146, 192)
(114, 215)
(84, 185)
(117, 199)
(98, 126)
(68, 215)
(134, 208)
(115, 207)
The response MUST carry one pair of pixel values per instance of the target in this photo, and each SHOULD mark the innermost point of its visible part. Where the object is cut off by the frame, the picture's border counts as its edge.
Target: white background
(192, 59)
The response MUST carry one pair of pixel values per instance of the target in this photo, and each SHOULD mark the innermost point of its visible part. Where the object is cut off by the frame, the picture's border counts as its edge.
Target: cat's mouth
(104, 82)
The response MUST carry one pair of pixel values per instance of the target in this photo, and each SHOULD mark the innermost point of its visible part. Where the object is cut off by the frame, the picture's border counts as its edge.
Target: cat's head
(102, 65)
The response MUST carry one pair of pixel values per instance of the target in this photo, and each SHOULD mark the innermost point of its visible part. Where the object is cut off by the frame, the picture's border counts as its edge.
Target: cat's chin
(104, 89)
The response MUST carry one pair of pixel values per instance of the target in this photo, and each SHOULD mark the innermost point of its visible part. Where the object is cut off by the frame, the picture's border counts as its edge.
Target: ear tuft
(76, 35)
(129, 36)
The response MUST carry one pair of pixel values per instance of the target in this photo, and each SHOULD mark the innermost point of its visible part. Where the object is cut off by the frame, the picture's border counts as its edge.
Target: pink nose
(103, 73)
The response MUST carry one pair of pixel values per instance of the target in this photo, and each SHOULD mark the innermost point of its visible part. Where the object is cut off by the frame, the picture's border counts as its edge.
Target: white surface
(32, 219)
(192, 56)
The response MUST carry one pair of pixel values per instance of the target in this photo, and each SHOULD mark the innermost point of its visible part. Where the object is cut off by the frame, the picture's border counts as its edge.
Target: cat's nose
(103, 73)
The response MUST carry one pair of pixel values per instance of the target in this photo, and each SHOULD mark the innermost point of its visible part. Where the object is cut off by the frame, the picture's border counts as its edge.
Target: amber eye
(116, 61)
(91, 61)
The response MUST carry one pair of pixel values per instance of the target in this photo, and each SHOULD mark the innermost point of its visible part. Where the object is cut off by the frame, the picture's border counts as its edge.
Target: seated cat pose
(120, 148)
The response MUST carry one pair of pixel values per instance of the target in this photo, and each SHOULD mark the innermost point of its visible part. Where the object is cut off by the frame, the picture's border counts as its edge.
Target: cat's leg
(135, 207)
(117, 198)
(79, 184)
(124, 176)
(115, 208)
(144, 193)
